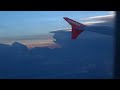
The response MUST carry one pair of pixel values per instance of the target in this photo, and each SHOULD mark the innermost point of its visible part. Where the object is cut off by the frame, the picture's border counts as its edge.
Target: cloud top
(105, 20)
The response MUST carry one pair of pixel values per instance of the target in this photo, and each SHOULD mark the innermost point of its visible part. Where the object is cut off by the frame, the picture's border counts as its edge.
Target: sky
(22, 23)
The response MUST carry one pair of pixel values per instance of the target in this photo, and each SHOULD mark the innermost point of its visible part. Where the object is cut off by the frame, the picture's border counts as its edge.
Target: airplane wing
(78, 28)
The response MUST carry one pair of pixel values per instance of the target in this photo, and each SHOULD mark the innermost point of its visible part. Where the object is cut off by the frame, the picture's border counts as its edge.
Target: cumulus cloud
(78, 52)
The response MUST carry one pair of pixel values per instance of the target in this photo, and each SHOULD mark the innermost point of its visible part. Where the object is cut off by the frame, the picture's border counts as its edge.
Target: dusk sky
(38, 45)
(20, 23)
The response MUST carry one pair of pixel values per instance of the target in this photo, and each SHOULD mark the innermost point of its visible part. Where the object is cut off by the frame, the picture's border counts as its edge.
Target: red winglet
(76, 27)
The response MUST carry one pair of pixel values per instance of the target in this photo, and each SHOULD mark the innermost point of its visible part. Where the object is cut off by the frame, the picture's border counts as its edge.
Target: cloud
(80, 50)
(95, 22)
(110, 15)
(106, 20)
(85, 57)
(112, 12)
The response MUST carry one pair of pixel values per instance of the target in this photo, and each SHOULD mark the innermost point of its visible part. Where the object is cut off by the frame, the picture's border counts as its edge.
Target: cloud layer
(106, 20)
(90, 56)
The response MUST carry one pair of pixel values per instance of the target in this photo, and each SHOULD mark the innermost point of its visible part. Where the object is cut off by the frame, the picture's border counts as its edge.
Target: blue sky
(20, 23)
